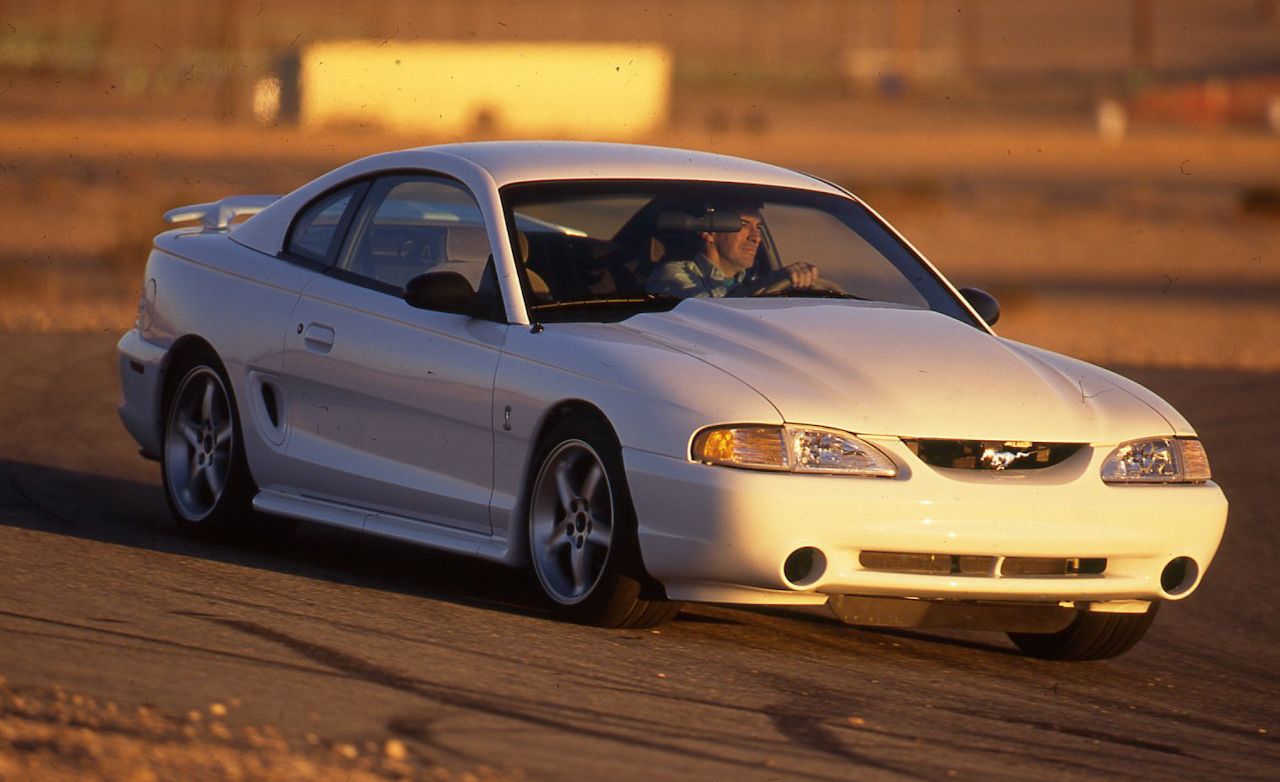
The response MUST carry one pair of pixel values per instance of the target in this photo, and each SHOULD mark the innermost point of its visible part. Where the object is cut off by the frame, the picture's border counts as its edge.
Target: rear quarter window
(315, 233)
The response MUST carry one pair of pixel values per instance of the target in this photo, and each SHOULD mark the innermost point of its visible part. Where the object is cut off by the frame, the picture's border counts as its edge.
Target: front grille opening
(928, 564)
(991, 454)
(1053, 566)
(978, 565)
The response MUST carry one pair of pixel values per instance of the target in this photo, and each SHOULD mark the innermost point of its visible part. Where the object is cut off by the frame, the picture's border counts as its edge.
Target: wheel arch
(229, 515)
(185, 350)
(563, 410)
(555, 414)
(181, 353)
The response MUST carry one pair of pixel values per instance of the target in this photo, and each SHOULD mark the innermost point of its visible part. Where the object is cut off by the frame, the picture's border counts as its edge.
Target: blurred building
(563, 89)
(992, 48)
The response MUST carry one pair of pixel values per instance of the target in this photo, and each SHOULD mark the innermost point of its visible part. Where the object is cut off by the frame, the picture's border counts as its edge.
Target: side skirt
(385, 525)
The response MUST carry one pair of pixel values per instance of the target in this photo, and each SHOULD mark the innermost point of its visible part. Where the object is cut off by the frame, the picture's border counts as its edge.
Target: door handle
(318, 338)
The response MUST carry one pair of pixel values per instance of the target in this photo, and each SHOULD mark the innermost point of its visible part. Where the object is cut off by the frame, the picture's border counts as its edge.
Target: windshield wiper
(644, 299)
(810, 293)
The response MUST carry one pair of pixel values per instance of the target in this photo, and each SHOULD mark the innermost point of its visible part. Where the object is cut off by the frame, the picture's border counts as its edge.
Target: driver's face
(738, 250)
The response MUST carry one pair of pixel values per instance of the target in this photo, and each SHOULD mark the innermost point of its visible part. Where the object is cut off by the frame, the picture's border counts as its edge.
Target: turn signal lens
(1157, 460)
(1195, 462)
(757, 447)
(791, 448)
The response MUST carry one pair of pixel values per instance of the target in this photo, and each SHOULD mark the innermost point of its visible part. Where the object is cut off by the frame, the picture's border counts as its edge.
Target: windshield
(603, 250)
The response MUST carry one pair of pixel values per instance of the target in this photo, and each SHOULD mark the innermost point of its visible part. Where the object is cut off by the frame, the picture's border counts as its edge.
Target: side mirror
(984, 303)
(444, 292)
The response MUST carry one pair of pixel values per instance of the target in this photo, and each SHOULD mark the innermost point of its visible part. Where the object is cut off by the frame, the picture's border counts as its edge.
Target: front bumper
(717, 534)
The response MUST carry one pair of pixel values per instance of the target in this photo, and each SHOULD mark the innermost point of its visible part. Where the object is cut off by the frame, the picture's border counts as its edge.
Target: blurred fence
(990, 37)
(159, 47)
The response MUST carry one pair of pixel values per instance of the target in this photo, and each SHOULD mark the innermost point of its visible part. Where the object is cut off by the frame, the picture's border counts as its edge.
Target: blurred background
(1110, 169)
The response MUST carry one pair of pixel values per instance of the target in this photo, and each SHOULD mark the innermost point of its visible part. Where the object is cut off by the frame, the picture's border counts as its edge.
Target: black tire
(1090, 636)
(569, 497)
(206, 477)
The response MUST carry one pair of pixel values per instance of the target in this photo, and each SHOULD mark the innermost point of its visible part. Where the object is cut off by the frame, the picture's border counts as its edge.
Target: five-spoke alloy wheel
(199, 442)
(206, 477)
(582, 533)
(571, 522)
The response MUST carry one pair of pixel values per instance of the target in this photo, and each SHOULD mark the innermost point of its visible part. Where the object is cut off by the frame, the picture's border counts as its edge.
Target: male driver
(726, 259)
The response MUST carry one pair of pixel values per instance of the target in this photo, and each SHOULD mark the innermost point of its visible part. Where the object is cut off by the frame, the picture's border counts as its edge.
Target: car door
(311, 247)
(390, 404)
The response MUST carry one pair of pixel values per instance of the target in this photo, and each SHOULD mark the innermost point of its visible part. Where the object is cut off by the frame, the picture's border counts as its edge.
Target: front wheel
(1090, 636)
(582, 531)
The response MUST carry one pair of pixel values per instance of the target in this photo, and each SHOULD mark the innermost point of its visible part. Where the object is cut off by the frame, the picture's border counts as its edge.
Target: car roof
(532, 161)
(488, 164)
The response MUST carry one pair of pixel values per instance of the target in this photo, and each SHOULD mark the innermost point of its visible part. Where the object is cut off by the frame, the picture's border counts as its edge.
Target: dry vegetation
(53, 735)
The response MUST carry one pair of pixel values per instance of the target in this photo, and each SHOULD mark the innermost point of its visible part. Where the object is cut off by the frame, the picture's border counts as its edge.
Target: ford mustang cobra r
(656, 376)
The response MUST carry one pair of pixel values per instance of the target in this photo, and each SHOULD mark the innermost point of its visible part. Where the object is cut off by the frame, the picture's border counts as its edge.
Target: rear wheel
(1090, 636)
(582, 531)
(206, 477)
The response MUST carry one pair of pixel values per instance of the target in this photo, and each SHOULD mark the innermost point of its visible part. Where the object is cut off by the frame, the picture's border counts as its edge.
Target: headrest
(522, 242)
(466, 243)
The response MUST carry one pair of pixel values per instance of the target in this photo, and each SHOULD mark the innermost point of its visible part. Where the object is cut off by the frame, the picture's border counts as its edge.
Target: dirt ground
(53, 735)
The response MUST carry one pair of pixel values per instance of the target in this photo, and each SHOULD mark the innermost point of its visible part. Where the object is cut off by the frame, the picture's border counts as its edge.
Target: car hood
(890, 370)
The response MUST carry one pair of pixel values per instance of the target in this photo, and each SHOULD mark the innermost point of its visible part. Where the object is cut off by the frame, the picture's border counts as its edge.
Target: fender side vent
(269, 403)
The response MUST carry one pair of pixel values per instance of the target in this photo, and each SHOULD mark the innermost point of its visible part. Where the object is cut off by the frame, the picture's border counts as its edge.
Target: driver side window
(411, 225)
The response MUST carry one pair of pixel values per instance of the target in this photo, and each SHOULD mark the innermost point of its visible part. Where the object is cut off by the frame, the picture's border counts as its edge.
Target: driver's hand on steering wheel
(801, 275)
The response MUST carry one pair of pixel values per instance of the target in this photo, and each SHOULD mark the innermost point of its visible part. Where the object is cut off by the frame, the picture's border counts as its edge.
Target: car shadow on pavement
(130, 513)
(967, 639)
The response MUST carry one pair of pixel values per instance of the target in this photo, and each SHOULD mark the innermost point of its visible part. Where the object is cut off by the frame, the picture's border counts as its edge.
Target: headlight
(791, 449)
(1157, 460)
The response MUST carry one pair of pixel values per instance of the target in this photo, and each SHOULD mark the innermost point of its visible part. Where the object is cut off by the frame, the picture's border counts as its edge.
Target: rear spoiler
(217, 215)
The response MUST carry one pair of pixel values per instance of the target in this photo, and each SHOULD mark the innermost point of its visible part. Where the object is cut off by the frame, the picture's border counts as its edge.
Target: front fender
(654, 397)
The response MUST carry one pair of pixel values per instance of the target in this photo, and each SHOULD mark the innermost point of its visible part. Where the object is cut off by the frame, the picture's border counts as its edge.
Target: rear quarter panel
(239, 301)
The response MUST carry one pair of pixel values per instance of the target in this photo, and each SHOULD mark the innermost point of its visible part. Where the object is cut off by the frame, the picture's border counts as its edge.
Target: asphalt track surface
(358, 639)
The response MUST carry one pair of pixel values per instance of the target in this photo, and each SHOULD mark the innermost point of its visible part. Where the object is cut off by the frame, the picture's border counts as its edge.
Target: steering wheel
(777, 286)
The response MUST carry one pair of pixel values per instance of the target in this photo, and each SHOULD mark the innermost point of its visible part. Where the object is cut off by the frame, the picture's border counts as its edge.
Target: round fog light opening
(1179, 575)
(805, 566)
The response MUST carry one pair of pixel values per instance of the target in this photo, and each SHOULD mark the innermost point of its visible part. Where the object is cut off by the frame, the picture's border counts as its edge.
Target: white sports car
(657, 376)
